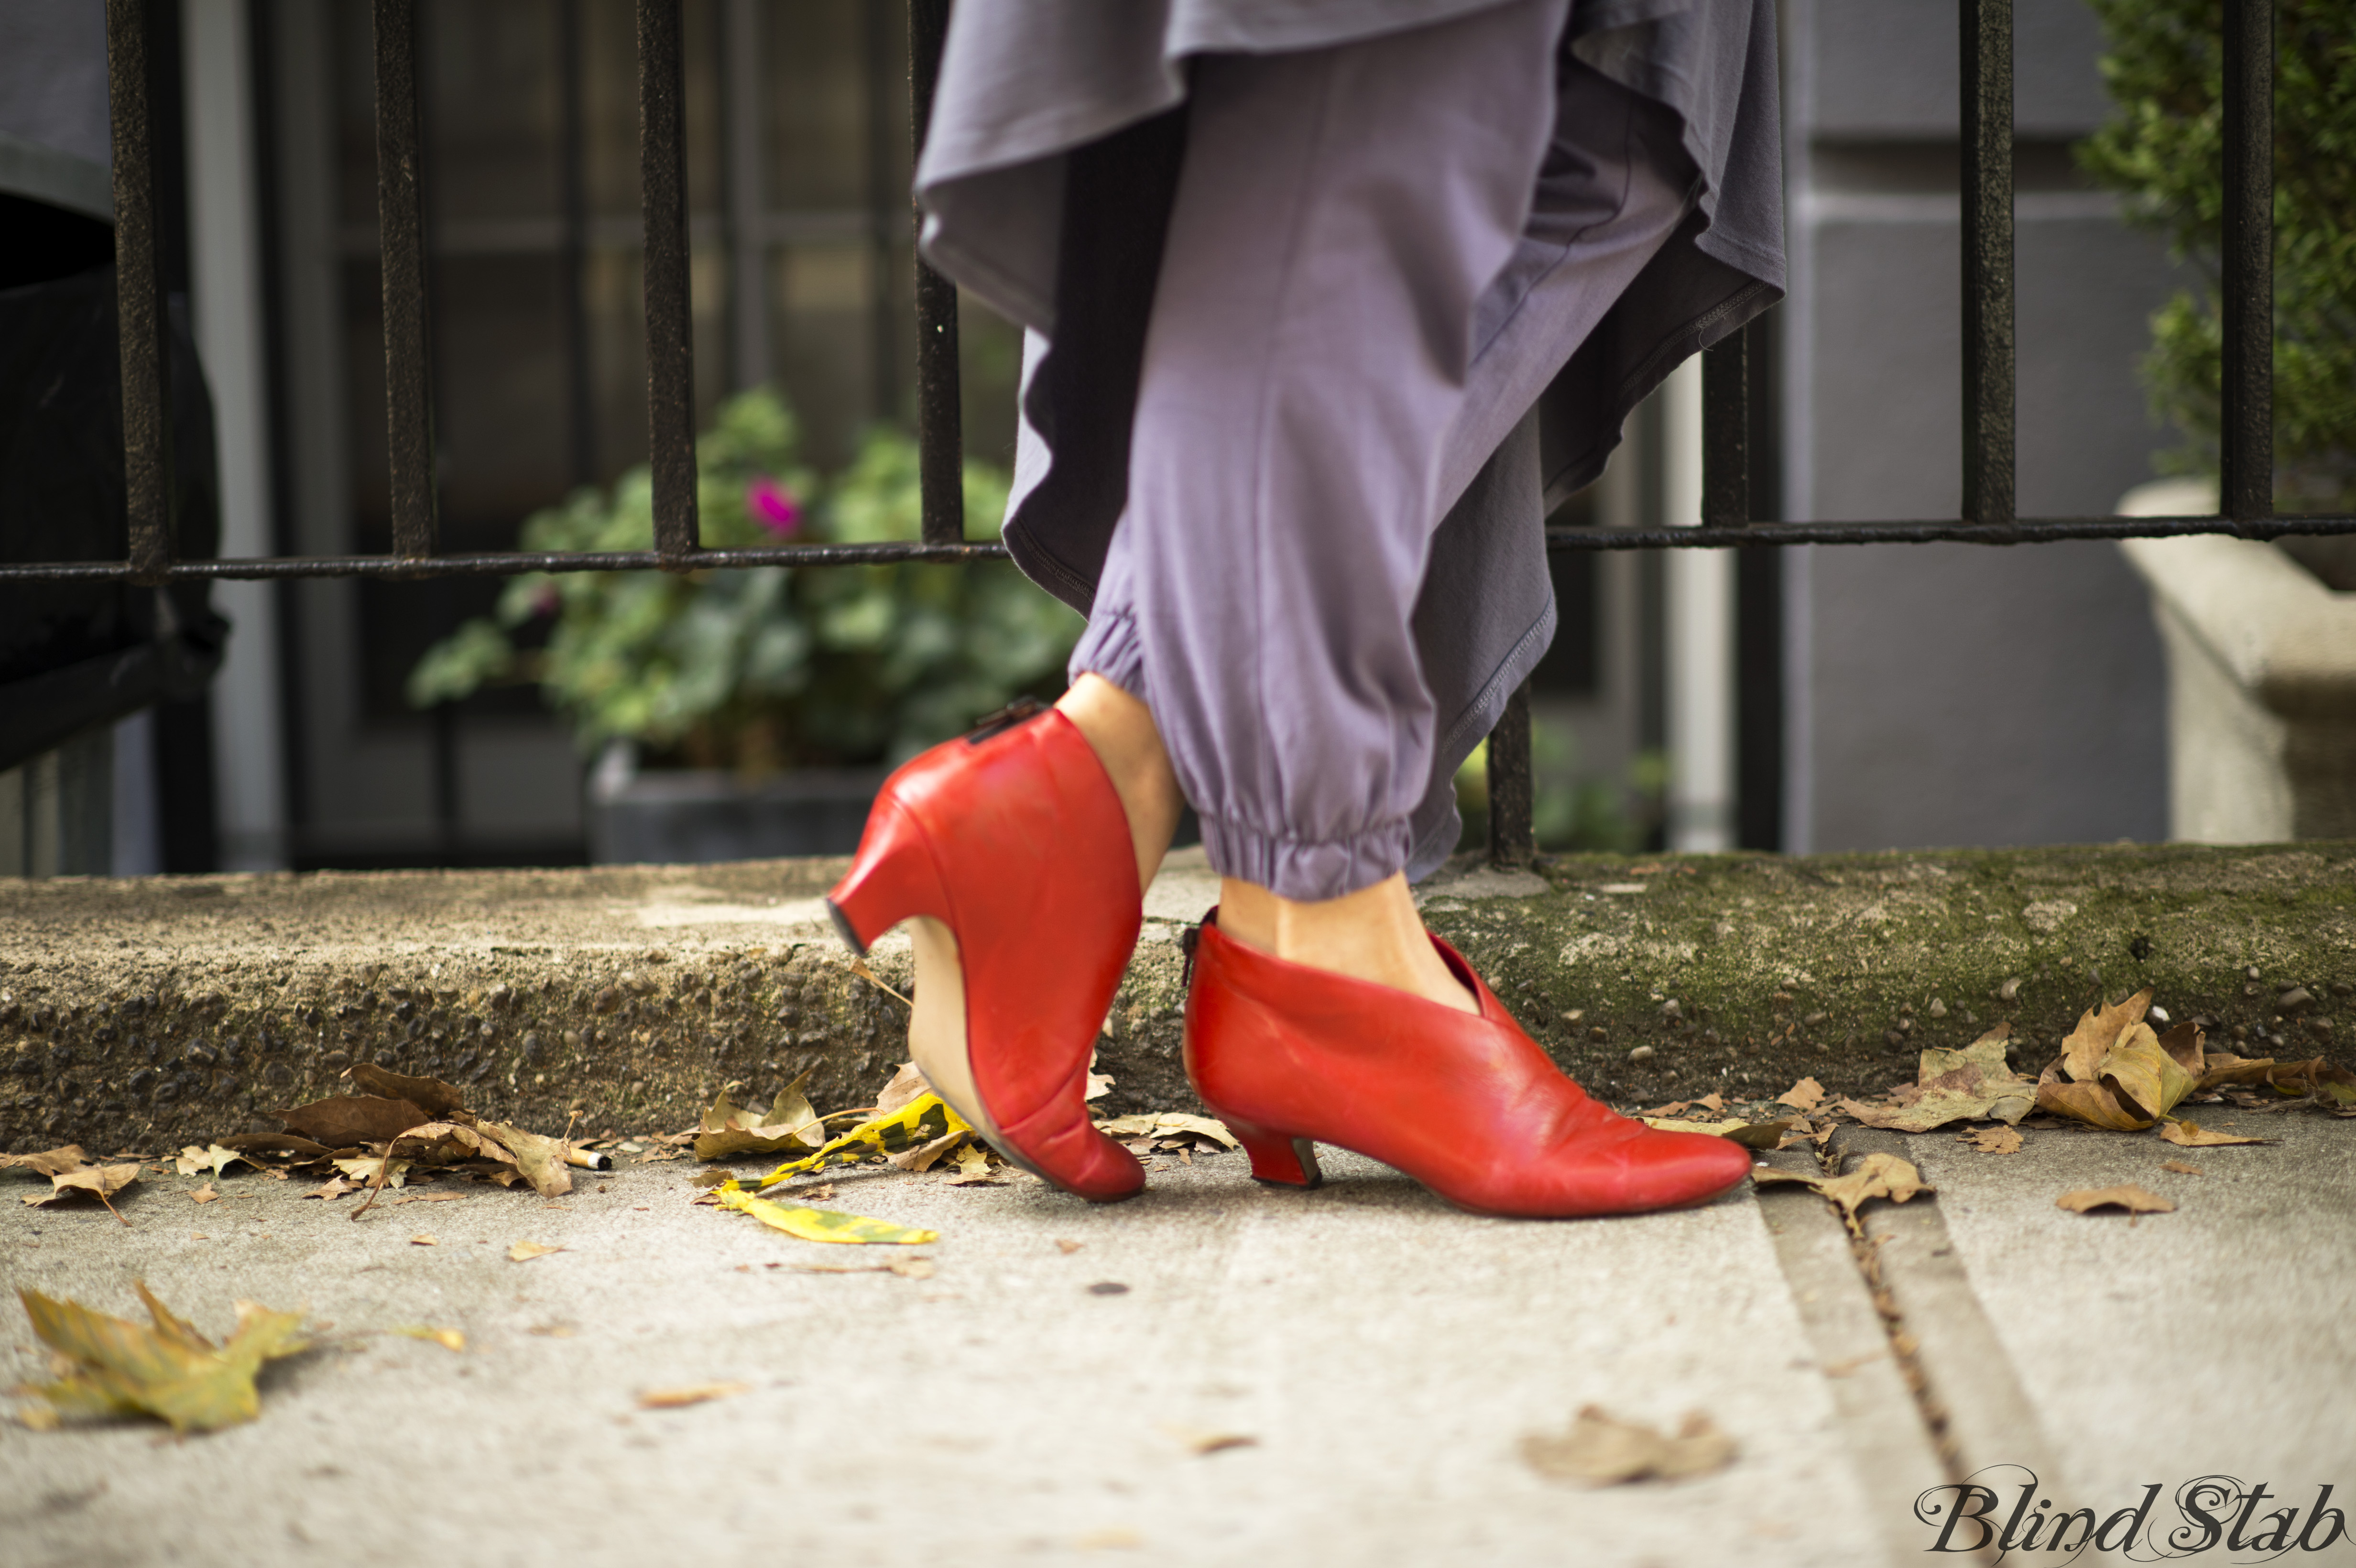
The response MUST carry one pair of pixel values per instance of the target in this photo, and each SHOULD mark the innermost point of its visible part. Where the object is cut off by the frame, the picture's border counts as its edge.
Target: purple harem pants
(1379, 254)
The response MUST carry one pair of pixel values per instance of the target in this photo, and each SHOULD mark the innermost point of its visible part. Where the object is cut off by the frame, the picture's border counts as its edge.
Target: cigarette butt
(589, 1158)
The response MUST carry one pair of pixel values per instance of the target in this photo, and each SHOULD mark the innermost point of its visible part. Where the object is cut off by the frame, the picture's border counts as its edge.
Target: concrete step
(138, 1014)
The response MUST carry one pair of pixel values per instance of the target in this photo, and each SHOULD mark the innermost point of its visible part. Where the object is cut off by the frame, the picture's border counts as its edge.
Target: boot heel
(1281, 1160)
(893, 878)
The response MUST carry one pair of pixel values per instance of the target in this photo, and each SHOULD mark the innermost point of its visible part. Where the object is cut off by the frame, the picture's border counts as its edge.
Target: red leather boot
(1470, 1106)
(1015, 839)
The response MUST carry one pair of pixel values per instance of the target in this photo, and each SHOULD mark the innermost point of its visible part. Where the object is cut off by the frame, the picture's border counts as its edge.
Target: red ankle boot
(1015, 839)
(1470, 1106)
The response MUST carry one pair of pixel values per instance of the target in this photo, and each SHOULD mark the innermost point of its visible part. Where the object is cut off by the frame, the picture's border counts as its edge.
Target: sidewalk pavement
(1382, 1354)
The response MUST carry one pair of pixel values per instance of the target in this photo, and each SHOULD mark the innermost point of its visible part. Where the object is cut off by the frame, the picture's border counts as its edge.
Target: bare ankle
(1373, 934)
(1121, 730)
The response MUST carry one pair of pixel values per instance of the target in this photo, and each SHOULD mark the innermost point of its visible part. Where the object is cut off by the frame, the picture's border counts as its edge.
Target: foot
(1373, 934)
(1127, 743)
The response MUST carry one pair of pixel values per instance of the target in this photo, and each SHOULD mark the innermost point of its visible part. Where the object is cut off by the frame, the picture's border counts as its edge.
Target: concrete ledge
(140, 1013)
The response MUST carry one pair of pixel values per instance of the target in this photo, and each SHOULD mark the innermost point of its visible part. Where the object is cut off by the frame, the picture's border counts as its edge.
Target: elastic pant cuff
(1111, 648)
(1305, 870)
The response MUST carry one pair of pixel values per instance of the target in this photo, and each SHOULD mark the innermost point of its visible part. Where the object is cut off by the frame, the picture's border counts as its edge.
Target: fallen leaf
(114, 1366)
(1196, 1440)
(449, 1338)
(2192, 1135)
(1750, 1134)
(819, 1224)
(914, 1123)
(1671, 1109)
(541, 1159)
(1875, 1175)
(971, 1160)
(1975, 1084)
(204, 1194)
(788, 1123)
(379, 1168)
(49, 1162)
(216, 1158)
(348, 1119)
(101, 1181)
(2114, 1072)
(276, 1143)
(2180, 1168)
(524, 1252)
(1068, 1248)
(925, 1156)
(906, 1084)
(431, 1095)
(1805, 1095)
(1713, 1102)
(1600, 1450)
(692, 1393)
(1147, 1124)
(424, 1239)
(2133, 1199)
(336, 1186)
(1996, 1140)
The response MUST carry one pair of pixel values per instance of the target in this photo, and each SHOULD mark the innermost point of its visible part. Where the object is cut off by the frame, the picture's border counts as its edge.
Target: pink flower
(773, 506)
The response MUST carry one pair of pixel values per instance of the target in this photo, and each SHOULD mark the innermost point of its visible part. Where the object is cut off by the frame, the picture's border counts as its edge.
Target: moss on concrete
(138, 1014)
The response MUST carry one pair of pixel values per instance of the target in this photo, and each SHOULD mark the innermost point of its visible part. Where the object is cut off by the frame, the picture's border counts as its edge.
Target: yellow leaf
(524, 1252)
(114, 1366)
(918, 1122)
(819, 1224)
(449, 1338)
(423, 1240)
(2098, 1029)
(215, 1160)
(693, 1393)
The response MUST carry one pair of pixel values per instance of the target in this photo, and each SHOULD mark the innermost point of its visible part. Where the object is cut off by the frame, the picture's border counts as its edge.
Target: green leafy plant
(2163, 150)
(774, 666)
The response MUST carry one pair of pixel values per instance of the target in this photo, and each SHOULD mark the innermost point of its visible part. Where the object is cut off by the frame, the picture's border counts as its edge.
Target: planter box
(697, 816)
(2260, 681)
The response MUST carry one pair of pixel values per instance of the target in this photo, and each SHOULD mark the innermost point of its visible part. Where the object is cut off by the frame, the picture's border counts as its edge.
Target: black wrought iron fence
(1988, 516)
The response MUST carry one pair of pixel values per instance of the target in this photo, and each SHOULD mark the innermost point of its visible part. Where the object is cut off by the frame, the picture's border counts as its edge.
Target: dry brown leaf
(1750, 1134)
(49, 1162)
(1875, 1175)
(101, 1181)
(2180, 1168)
(1197, 1441)
(204, 1194)
(215, 1160)
(336, 1187)
(378, 1168)
(1713, 1102)
(692, 1393)
(1602, 1450)
(906, 1084)
(2190, 1133)
(431, 1095)
(348, 1119)
(789, 1124)
(1068, 1248)
(1996, 1140)
(1805, 1095)
(423, 1239)
(541, 1159)
(1975, 1084)
(1150, 1125)
(524, 1252)
(2133, 1199)
(923, 1157)
(2114, 1072)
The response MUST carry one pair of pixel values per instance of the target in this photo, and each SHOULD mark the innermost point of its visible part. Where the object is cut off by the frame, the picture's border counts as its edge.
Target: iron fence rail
(1988, 508)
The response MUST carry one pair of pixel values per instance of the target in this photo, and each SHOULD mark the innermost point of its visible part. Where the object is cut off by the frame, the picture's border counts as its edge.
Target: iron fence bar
(940, 437)
(2245, 467)
(400, 223)
(143, 338)
(671, 322)
(1987, 249)
(1512, 833)
(1725, 431)
(507, 563)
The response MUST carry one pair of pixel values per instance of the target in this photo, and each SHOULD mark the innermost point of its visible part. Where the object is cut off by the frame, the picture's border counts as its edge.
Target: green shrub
(774, 666)
(2163, 150)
